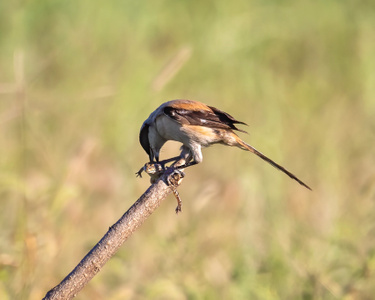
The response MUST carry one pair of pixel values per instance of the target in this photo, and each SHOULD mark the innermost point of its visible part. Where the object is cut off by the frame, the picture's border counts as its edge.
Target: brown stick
(91, 264)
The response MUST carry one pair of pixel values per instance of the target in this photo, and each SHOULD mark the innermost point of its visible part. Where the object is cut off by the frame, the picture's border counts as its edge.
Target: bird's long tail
(247, 147)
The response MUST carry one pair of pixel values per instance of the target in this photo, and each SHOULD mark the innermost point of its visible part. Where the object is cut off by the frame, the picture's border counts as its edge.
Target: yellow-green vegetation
(78, 78)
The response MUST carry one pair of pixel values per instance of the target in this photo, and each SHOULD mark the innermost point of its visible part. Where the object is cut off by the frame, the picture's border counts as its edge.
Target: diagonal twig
(117, 234)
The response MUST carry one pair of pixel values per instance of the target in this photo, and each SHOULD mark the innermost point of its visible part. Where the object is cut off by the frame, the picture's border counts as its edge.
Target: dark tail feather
(247, 147)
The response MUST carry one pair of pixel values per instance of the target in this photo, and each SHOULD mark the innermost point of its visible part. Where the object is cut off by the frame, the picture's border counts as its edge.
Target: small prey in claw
(174, 180)
(155, 170)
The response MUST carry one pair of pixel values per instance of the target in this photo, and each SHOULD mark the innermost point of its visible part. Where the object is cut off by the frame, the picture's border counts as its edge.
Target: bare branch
(92, 263)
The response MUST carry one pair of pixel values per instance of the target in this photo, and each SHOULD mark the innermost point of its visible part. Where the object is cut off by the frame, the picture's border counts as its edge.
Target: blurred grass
(76, 82)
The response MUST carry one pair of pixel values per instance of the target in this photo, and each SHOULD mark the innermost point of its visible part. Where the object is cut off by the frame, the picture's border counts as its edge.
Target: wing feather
(206, 116)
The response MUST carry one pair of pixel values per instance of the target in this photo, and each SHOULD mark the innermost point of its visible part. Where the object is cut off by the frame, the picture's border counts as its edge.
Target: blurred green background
(77, 80)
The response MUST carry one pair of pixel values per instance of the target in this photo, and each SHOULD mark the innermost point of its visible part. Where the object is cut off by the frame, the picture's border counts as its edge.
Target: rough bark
(117, 234)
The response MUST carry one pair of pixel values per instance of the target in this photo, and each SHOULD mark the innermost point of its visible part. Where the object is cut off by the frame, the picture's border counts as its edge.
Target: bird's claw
(176, 177)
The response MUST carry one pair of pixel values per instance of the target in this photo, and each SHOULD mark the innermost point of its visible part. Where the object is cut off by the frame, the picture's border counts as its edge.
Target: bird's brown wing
(202, 115)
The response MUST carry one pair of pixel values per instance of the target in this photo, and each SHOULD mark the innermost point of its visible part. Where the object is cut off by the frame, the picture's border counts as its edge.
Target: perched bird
(195, 125)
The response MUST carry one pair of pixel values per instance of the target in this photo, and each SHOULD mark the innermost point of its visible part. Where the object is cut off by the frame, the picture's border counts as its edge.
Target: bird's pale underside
(195, 125)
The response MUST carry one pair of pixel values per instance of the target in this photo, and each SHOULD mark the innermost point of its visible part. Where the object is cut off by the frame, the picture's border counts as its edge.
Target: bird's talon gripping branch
(176, 177)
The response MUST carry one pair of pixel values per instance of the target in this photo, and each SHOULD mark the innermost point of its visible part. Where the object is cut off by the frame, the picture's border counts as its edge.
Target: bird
(195, 125)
